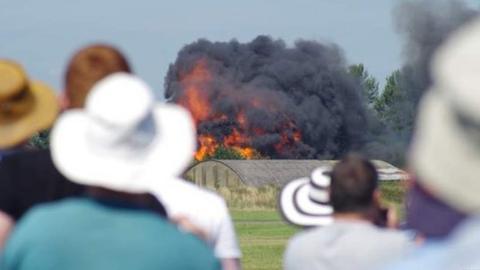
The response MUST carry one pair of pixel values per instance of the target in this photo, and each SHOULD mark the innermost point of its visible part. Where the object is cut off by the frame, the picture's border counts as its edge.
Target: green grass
(393, 194)
(263, 234)
(245, 197)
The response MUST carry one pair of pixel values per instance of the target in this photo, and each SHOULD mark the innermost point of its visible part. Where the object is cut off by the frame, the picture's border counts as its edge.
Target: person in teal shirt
(87, 233)
(119, 148)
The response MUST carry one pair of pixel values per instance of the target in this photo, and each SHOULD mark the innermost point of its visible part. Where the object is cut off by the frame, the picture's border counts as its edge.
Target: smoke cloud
(300, 101)
(280, 91)
(424, 25)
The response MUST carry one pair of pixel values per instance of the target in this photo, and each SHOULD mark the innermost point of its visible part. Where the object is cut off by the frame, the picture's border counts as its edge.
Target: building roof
(279, 172)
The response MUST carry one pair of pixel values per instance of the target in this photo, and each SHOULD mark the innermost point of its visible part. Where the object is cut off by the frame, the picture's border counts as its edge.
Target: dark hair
(138, 200)
(88, 66)
(354, 180)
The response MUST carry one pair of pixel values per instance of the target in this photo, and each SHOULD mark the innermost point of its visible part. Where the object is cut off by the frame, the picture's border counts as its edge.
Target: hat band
(16, 106)
(299, 208)
(469, 127)
(319, 196)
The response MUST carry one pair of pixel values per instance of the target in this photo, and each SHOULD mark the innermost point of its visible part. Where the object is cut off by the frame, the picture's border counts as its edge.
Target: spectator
(26, 107)
(445, 157)
(352, 241)
(194, 208)
(205, 210)
(119, 146)
(28, 178)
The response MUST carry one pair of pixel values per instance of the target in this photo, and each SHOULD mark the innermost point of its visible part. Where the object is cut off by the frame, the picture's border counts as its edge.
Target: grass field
(263, 234)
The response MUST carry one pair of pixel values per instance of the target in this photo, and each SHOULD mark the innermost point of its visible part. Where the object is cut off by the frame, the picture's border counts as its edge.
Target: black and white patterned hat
(305, 201)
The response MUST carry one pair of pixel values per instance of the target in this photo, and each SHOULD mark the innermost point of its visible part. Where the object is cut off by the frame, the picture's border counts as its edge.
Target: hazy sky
(42, 35)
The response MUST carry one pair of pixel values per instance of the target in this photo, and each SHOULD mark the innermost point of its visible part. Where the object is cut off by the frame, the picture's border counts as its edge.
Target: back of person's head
(88, 66)
(354, 181)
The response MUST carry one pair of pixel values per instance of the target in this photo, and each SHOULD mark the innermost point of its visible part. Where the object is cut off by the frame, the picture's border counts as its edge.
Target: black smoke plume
(424, 26)
(281, 91)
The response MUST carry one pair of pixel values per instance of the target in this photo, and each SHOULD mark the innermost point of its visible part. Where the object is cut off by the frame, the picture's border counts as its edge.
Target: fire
(241, 120)
(236, 132)
(194, 97)
(246, 152)
(208, 146)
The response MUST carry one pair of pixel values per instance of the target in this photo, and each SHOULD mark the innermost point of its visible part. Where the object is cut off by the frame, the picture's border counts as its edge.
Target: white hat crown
(124, 124)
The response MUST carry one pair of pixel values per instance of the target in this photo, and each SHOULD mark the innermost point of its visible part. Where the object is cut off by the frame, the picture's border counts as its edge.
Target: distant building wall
(229, 173)
(213, 175)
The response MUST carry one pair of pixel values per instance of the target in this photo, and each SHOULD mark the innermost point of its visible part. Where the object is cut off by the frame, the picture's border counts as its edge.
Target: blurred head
(445, 150)
(122, 139)
(88, 66)
(354, 182)
(26, 107)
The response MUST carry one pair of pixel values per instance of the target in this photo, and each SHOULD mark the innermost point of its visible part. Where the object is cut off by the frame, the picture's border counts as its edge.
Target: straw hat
(26, 107)
(306, 201)
(445, 152)
(122, 140)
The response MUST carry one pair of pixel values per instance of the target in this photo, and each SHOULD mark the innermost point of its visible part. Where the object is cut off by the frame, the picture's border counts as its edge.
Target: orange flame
(196, 99)
(208, 146)
(246, 152)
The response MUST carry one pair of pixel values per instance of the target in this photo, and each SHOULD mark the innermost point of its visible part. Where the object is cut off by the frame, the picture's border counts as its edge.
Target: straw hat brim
(167, 156)
(298, 209)
(41, 116)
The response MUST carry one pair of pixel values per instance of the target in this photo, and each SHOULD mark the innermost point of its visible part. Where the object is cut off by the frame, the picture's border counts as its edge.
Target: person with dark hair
(353, 240)
(28, 178)
(119, 155)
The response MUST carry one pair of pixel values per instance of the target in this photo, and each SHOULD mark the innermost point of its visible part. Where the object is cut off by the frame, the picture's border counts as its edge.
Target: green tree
(392, 105)
(225, 153)
(369, 83)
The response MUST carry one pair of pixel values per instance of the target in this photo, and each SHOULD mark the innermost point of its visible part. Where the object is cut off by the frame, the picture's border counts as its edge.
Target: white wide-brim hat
(305, 201)
(122, 140)
(445, 151)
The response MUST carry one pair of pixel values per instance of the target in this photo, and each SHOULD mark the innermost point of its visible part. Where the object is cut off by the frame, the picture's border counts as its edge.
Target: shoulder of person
(306, 237)
(394, 235)
(47, 210)
(27, 162)
(186, 189)
(43, 218)
(302, 249)
(28, 156)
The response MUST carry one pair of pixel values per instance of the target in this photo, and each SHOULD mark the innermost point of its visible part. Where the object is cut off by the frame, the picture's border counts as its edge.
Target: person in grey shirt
(353, 240)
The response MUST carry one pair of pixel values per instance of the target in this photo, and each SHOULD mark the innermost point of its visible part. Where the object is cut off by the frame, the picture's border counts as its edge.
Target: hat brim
(298, 209)
(41, 116)
(167, 156)
(444, 157)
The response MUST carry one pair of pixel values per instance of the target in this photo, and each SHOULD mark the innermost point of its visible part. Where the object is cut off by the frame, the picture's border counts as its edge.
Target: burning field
(265, 100)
